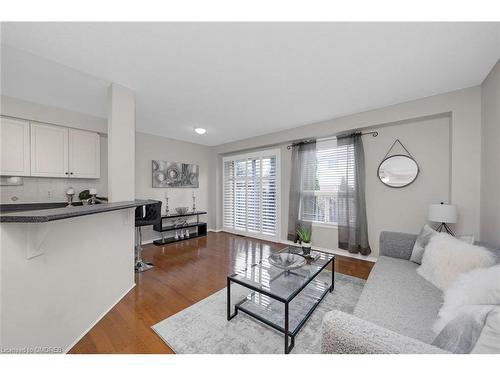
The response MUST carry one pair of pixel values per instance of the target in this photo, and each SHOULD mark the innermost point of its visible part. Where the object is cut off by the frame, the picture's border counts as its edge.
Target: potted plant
(305, 240)
(84, 196)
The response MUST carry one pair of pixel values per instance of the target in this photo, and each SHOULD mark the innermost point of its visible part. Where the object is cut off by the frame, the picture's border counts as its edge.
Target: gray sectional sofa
(396, 310)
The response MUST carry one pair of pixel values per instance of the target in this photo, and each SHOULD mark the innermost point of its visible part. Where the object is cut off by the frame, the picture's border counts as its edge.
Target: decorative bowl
(182, 210)
(287, 261)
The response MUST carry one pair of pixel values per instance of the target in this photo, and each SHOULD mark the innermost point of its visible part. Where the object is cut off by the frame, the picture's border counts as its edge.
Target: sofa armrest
(347, 334)
(396, 244)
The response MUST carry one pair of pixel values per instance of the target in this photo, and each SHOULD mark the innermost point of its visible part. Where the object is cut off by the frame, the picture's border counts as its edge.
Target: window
(332, 162)
(250, 203)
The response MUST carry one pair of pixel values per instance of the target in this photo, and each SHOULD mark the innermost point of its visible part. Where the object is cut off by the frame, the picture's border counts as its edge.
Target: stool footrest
(143, 266)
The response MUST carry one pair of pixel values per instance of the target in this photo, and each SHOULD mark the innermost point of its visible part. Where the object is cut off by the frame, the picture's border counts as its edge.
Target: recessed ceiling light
(200, 130)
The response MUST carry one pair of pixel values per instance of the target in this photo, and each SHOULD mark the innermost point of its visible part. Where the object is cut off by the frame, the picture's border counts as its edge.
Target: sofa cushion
(397, 298)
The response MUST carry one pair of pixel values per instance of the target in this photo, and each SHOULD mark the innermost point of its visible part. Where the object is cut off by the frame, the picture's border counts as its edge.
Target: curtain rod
(289, 147)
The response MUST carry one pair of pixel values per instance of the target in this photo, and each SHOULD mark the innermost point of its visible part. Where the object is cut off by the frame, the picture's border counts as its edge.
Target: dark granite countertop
(32, 213)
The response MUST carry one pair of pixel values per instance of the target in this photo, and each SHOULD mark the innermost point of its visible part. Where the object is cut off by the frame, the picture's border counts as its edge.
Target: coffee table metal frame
(289, 335)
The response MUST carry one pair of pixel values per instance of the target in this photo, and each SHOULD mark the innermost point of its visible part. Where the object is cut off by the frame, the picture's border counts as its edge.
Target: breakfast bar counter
(33, 214)
(62, 269)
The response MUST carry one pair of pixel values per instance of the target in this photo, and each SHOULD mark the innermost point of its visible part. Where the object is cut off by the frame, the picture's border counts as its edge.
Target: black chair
(149, 214)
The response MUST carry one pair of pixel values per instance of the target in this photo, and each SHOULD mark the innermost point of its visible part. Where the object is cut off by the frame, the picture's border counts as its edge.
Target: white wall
(490, 157)
(85, 268)
(121, 144)
(151, 147)
(41, 80)
(16, 107)
(464, 109)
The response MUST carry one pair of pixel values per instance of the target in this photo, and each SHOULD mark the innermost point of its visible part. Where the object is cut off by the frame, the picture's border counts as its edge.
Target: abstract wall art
(171, 174)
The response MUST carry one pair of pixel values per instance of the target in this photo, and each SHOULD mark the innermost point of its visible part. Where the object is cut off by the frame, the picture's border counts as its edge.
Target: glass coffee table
(282, 299)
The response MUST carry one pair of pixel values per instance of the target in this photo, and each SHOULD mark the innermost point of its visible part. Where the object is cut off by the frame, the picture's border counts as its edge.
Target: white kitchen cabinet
(15, 147)
(43, 150)
(49, 150)
(84, 154)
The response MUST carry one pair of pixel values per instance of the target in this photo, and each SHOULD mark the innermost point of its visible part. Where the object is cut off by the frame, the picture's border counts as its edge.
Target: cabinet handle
(66, 173)
(71, 173)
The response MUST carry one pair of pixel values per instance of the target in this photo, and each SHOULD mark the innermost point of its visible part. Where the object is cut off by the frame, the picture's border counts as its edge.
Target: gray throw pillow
(462, 333)
(423, 239)
(489, 339)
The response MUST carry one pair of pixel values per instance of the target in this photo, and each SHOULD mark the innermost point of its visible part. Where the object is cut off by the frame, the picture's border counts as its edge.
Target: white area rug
(203, 328)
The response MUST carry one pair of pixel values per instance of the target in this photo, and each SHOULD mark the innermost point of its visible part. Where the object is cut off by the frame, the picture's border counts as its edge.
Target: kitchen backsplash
(41, 189)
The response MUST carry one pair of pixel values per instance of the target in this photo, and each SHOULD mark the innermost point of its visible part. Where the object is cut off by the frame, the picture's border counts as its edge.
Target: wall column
(121, 143)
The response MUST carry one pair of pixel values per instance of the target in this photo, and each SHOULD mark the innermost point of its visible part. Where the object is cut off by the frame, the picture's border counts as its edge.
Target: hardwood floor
(184, 273)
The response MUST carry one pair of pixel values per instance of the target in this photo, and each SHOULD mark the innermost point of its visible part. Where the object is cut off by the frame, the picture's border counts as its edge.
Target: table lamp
(444, 214)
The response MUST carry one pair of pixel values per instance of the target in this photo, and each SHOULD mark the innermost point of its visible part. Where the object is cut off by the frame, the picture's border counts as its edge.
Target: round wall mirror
(398, 171)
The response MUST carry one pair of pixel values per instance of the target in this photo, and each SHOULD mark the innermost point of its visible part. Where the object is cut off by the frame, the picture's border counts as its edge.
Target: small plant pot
(306, 248)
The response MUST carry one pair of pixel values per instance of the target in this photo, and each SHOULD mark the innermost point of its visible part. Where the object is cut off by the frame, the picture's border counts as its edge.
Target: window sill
(316, 224)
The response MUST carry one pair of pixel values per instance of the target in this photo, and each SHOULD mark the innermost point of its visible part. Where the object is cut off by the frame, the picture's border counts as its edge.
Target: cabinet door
(49, 150)
(15, 147)
(84, 154)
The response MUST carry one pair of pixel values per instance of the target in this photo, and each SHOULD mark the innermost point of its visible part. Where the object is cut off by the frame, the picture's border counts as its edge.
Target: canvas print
(171, 174)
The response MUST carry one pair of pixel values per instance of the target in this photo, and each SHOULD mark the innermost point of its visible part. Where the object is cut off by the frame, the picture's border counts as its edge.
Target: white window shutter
(229, 195)
(251, 194)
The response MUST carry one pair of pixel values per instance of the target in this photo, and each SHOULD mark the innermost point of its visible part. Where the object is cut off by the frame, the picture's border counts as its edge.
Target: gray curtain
(351, 203)
(302, 183)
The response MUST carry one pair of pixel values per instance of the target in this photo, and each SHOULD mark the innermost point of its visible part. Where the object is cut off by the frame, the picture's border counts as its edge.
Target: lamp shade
(443, 213)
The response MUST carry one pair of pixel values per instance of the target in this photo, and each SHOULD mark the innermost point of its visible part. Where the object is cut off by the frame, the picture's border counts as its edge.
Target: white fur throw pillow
(478, 289)
(474, 290)
(446, 257)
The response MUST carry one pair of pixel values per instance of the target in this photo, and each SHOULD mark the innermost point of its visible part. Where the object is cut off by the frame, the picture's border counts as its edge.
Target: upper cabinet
(15, 147)
(49, 150)
(57, 151)
(43, 150)
(84, 154)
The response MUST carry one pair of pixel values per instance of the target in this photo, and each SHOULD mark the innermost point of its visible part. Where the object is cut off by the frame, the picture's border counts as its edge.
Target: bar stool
(149, 214)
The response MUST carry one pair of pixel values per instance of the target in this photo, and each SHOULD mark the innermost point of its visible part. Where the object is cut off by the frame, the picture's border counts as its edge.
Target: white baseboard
(344, 253)
(97, 320)
(145, 242)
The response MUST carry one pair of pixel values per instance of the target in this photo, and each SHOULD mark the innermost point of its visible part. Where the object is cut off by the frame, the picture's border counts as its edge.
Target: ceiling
(240, 80)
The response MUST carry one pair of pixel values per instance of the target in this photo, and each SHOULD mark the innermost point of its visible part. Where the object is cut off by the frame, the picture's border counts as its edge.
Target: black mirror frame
(398, 187)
